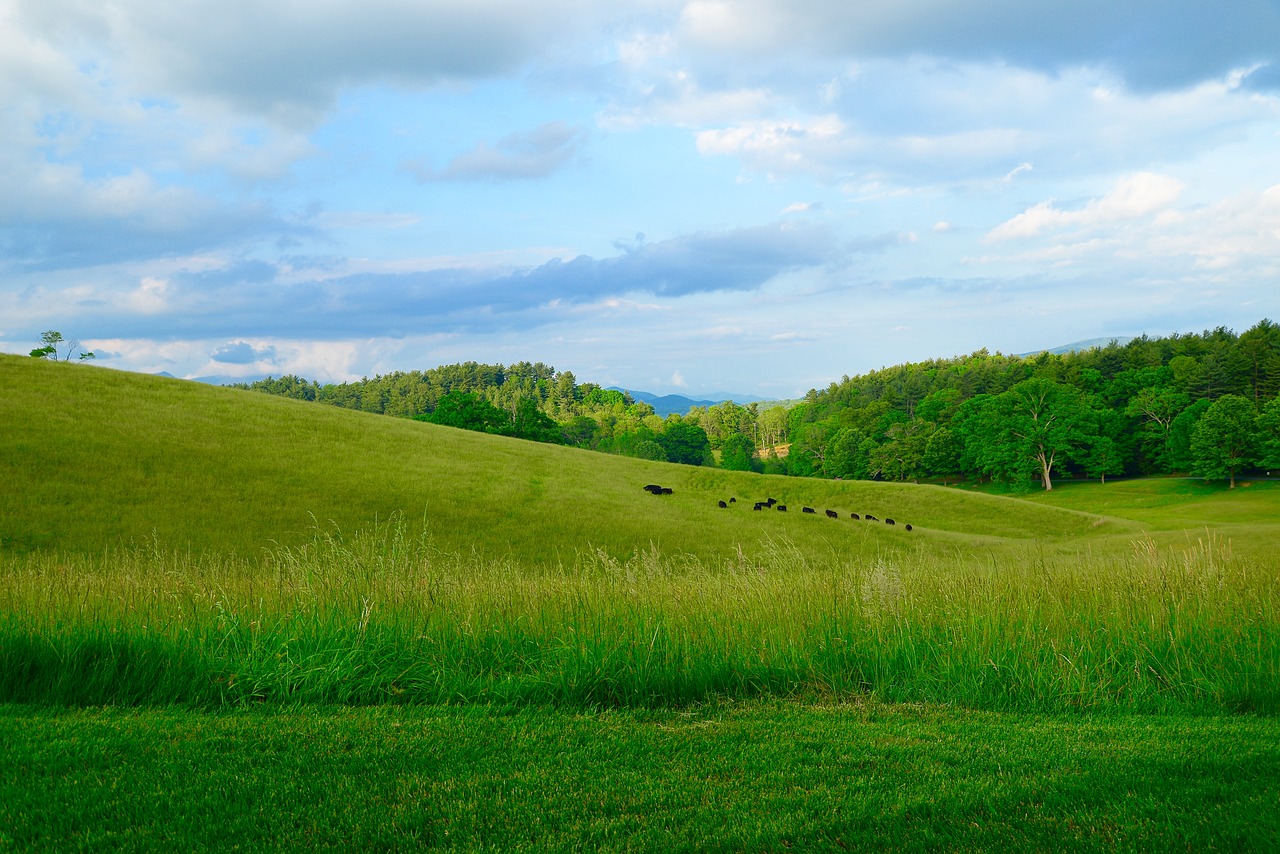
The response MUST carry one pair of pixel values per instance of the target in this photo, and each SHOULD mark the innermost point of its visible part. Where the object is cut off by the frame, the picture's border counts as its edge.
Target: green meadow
(312, 627)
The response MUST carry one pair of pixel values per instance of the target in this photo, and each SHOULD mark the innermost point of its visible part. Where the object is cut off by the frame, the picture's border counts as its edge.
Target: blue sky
(756, 196)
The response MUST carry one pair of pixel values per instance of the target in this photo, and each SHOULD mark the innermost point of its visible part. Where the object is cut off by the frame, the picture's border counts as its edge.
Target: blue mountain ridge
(667, 404)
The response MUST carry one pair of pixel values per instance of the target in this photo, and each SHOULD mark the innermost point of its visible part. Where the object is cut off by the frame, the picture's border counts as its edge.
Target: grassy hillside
(249, 602)
(531, 573)
(93, 457)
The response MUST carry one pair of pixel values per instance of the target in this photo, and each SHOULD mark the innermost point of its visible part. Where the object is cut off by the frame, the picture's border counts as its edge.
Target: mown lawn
(756, 776)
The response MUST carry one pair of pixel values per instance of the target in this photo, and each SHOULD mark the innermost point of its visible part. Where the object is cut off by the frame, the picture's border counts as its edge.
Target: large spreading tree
(1027, 430)
(1223, 441)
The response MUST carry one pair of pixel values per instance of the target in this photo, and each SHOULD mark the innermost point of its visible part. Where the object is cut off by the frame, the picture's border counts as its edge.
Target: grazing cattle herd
(772, 504)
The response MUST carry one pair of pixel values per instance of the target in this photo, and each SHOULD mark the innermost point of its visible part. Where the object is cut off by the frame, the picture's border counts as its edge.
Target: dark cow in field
(908, 526)
(782, 508)
(758, 506)
(890, 522)
(771, 501)
(666, 490)
(831, 514)
(723, 505)
(870, 518)
(854, 516)
(653, 489)
(808, 510)
(733, 500)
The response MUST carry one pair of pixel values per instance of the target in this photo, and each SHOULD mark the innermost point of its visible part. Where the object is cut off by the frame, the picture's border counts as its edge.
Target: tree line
(525, 400)
(1204, 404)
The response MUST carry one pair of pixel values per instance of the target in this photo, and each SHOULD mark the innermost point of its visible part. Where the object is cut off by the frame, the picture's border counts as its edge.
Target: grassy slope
(92, 457)
(1170, 509)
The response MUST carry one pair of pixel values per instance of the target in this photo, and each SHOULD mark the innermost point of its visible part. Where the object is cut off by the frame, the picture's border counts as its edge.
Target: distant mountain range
(667, 404)
(216, 380)
(1078, 346)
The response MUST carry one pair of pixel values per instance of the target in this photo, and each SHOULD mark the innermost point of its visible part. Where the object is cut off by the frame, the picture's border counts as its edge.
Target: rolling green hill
(93, 458)
(562, 660)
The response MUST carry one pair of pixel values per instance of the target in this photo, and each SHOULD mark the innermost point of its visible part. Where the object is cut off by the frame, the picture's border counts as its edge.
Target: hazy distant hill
(666, 404)
(1078, 346)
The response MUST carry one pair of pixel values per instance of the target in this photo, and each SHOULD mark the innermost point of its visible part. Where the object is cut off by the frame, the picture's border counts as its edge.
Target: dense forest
(1204, 404)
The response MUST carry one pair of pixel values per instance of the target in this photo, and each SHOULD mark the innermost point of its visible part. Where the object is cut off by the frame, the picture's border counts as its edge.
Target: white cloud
(1241, 233)
(1016, 171)
(1152, 43)
(150, 297)
(677, 99)
(267, 158)
(1132, 197)
(288, 60)
(1229, 246)
(517, 156)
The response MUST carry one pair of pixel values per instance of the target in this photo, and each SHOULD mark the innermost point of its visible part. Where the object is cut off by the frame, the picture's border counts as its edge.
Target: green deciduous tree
(1158, 407)
(1027, 430)
(532, 423)
(1179, 456)
(648, 449)
(847, 454)
(978, 425)
(58, 349)
(469, 411)
(1268, 425)
(738, 453)
(685, 443)
(1223, 442)
(901, 455)
(1046, 421)
(942, 455)
(1103, 458)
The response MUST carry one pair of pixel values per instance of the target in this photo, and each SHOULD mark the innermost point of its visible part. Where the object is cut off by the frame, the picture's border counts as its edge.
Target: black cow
(771, 501)
(870, 518)
(723, 505)
(733, 501)
(758, 506)
(854, 516)
(831, 514)
(666, 490)
(782, 508)
(908, 526)
(890, 522)
(808, 510)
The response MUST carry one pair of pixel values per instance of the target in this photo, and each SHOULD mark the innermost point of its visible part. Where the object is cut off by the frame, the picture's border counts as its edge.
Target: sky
(680, 196)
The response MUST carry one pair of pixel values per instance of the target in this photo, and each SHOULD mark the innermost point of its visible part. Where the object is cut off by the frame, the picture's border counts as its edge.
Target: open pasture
(372, 560)
(94, 458)
(206, 588)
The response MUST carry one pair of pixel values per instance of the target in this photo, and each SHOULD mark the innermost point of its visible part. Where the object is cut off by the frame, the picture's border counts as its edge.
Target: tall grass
(385, 616)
